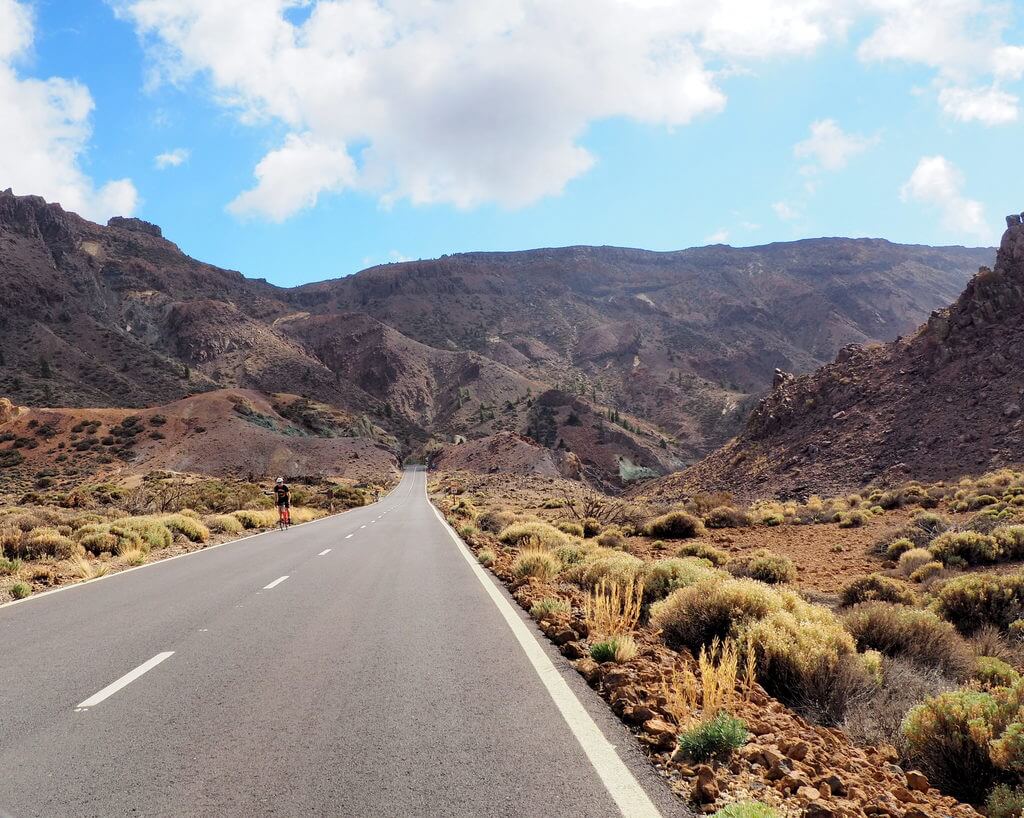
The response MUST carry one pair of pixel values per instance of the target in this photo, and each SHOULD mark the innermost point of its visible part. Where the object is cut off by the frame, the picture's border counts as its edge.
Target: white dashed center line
(362, 526)
(125, 680)
(324, 553)
(348, 536)
(275, 583)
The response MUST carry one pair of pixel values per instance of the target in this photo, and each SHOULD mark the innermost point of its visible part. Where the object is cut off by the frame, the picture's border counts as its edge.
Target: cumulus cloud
(785, 211)
(720, 236)
(172, 159)
(475, 101)
(939, 183)
(829, 147)
(988, 105)
(46, 130)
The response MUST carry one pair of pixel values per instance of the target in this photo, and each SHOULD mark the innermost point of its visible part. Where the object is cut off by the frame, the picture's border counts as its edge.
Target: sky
(298, 140)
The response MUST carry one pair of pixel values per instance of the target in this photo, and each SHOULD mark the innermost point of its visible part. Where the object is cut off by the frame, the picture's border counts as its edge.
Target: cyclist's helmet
(280, 480)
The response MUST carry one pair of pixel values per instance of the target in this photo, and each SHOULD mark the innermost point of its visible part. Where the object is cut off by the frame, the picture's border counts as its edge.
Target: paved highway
(360, 665)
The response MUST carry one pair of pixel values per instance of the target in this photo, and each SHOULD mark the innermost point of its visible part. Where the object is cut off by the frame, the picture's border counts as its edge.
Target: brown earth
(943, 402)
(664, 348)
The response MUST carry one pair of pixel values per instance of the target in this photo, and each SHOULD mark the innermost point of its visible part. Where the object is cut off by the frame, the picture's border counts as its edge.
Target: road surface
(360, 665)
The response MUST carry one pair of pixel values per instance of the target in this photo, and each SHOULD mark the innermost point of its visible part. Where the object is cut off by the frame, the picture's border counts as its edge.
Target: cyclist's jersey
(282, 494)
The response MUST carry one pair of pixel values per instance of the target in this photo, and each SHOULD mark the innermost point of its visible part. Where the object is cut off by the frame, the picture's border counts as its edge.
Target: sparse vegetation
(746, 809)
(875, 587)
(715, 738)
(675, 525)
(716, 556)
(536, 562)
(550, 606)
(765, 566)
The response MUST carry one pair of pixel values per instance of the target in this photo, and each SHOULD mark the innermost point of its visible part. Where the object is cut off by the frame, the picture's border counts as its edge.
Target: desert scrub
(571, 554)
(898, 547)
(613, 610)
(48, 542)
(486, 556)
(535, 532)
(727, 517)
(1010, 541)
(716, 556)
(695, 616)
(536, 562)
(662, 577)
(974, 600)
(676, 525)
(611, 537)
(224, 523)
(765, 566)
(875, 587)
(155, 532)
(494, 520)
(910, 633)
(854, 518)
(550, 606)
(256, 518)
(612, 567)
(913, 559)
(20, 590)
(746, 809)
(768, 513)
(1005, 802)
(9, 567)
(573, 529)
(715, 738)
(185, 525)
(618, 649)
(927, 572)
(968, 547)
(992, 672)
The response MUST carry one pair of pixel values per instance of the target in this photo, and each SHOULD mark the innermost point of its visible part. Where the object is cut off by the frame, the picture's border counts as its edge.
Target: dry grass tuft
(613, 609)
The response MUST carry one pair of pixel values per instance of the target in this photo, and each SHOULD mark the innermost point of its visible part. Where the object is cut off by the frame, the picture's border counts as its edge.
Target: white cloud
(785, 212)
(988, 105)
(46, 130)
(474, 101)
(720, 236)
(829, 147)
(172, 159)
(292, 177)
(938, 183)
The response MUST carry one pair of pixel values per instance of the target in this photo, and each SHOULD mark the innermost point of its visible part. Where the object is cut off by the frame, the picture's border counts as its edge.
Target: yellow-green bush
(716, 556)
(875, 587)
(662, 577)
(727, 517)
(693, 616)
(153, 531)
(611, 537)
(251, 518)
(898, 547)
(927, 571)
(854, 518)
(573, 529)
(614, 567)
(48, 542)
(911, 633)
(974, 600)
(535, 562)
(493, 520)
(964, 547)
(990, 672)
(765, 566)
(224, 523)
(675, 525)
(187, 526)
(1010, 541)
(535, 532)
(913, 559)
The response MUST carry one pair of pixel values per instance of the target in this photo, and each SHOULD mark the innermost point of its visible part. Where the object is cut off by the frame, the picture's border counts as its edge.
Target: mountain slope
(643, 360)
(941, 403)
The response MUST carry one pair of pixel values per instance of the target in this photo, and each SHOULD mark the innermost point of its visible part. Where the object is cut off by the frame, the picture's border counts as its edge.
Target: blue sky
(388, 132)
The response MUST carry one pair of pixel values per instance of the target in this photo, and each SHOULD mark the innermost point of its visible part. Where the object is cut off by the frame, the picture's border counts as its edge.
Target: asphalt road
(382, 676)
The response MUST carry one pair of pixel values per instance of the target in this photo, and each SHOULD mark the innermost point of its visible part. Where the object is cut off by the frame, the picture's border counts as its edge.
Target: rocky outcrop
(940, 403)
(135, 226)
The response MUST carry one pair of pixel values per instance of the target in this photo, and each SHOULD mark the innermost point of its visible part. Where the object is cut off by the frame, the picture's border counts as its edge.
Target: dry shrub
(224, 523)
(1010, 540)
(132, 555)
(875, 587)
(991, 672)
(719, 671)
(712, 609)
(676, 525)
(538, 532)
(611, 537)
(536, 562)
(48, 542)
(727, 517)
(665, 576)
(256, 518)
(680, 691)
(974, 600)
(765, 566)
(606, 566)
(185, 525)
(155, 532)
(911, 560)
(928, 572)
(898, 547)
(493, 520)
(970, 547)
(10, 539)
(573, 529)
(918, 635)
(716, 556)
(854, 518)
(990, 641)
(878, 719)
(612, 608)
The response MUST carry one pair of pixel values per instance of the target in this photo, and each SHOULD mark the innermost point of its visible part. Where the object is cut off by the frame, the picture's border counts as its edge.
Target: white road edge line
(275, 583)
(348, 536)
(631, 799)
(324, 553)
(125, 680)
(166, 560)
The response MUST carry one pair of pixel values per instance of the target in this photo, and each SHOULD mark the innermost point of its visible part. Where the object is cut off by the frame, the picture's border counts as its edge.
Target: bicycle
(284, 518)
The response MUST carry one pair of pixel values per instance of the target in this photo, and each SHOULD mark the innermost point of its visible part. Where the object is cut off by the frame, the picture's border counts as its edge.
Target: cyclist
(283, 497)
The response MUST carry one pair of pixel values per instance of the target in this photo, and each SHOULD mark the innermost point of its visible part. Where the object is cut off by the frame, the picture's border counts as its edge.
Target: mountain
(943, 402)
(637, 362)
